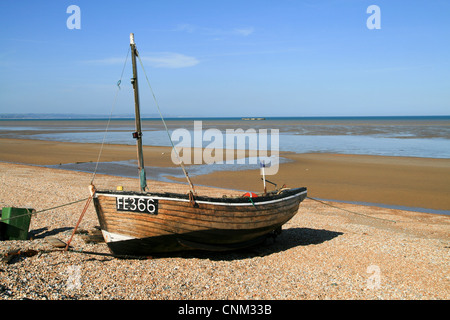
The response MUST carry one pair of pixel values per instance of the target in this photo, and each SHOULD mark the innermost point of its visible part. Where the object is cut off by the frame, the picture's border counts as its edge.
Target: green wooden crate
(16, 222)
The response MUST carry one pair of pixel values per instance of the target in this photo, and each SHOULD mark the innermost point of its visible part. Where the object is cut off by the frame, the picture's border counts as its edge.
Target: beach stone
(57, 243)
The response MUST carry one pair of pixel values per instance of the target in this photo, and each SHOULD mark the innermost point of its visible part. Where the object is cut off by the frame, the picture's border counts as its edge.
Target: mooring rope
(349, 211)
(40, 211)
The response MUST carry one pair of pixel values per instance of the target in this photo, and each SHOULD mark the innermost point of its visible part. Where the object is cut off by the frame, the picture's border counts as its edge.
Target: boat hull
(135, 223)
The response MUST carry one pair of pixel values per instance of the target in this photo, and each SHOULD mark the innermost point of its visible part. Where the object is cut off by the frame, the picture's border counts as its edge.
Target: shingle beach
(324, 252)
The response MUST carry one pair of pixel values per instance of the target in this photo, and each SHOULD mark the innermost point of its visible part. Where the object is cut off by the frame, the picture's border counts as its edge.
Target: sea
(412, 136)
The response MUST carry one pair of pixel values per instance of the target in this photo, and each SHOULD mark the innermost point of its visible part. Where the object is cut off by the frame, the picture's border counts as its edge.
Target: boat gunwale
(228, 201)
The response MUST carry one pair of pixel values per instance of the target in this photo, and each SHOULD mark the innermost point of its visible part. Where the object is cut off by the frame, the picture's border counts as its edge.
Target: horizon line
(67, 116)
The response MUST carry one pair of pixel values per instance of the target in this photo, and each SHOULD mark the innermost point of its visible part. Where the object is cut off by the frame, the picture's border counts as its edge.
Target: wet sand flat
(53, 152)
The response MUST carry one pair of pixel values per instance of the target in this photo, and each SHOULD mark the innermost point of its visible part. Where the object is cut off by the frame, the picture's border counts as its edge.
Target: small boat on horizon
(254, 119)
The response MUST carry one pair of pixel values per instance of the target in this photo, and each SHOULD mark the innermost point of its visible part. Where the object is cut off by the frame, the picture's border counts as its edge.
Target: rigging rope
(110, 116)
(165, 126)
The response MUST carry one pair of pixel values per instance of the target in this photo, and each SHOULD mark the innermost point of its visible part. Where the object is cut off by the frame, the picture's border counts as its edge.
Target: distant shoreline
(56, 117)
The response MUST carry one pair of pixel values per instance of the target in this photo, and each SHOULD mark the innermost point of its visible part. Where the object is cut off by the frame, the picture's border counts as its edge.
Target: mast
(138, 134)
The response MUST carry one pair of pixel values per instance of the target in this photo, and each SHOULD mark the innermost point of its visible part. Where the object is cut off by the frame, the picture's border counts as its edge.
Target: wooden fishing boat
(143, 223)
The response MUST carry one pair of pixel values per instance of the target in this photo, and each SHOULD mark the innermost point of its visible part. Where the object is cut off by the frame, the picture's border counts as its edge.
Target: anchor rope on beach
(349, 211)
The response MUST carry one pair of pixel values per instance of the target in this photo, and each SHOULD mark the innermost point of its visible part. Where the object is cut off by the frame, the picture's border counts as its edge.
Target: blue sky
(228, 58)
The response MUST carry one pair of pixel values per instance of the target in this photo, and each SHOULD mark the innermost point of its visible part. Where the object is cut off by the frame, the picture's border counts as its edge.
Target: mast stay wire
(165, 126)
(110, 116)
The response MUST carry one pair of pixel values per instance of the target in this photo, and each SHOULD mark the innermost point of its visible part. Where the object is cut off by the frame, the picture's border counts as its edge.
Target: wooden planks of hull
(213, 222)
(192, 218)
